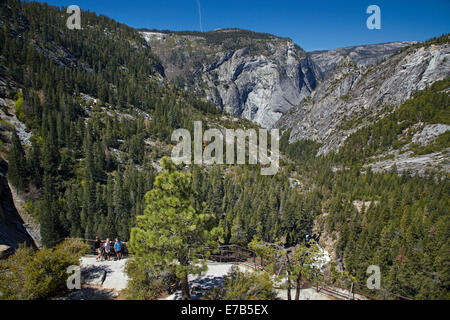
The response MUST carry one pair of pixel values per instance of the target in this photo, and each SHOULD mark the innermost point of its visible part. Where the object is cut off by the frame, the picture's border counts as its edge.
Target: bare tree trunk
(186, 294)
(297, 289)
(289, 296)
(288, 266)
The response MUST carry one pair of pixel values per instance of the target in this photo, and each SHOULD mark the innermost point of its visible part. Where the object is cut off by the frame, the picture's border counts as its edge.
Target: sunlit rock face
(257, 79)
(261, 88)
(12, 229)
(361, 56)
(323, 96)
(359, 95)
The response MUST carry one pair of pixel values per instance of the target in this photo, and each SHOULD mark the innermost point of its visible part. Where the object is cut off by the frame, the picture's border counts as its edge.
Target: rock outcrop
(362, 56)
(5, 251)
(352, 97)
(260, 88)
(429, 133)
(12, 229)
(255, 76)
(418, 164)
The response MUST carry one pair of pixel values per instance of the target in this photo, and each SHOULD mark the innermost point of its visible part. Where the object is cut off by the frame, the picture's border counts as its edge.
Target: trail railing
(347, 291)
(91, 244)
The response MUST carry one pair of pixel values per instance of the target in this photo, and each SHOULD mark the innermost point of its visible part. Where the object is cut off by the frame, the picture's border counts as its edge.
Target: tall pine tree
(17, 167)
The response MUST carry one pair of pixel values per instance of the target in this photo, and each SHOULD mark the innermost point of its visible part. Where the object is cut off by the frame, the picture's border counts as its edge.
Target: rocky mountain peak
(361, 56)
(256, 76)
(352, 97)
(252, 75)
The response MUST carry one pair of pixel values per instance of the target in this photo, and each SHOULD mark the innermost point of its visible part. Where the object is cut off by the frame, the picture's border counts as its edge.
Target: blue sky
(312, 24)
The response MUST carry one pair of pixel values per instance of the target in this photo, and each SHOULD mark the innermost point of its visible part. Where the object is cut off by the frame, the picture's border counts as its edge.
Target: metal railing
(240, 255)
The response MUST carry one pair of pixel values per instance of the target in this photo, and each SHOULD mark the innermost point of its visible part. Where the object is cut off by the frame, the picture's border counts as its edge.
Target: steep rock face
(12, 230)
(255, 76)
(251, 75)
(260, 88)
(352, 97)
(323, 96)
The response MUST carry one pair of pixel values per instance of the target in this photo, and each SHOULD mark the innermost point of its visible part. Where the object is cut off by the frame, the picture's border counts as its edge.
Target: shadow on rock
(92, 293)
(200, 286)
(95, 272)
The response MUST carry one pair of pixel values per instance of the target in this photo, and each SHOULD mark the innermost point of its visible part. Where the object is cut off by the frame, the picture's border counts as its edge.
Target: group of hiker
(105, 251)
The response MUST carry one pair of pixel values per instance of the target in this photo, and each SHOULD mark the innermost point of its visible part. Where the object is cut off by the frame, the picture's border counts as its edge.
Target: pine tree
(121, 210)
(34, 165)
(171, 233)
(51, 229)
(304, 264)
(17, 168)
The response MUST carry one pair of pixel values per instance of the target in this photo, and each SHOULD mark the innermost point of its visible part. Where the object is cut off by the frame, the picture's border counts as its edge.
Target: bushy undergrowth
(244, 286)
(146, 283)
(30, 275)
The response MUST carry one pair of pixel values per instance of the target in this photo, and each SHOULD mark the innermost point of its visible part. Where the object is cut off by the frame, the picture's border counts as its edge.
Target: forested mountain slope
(93, 104)
(87, 115)
(414, 137)
(98, 117)
(321, 96)
(353, 97)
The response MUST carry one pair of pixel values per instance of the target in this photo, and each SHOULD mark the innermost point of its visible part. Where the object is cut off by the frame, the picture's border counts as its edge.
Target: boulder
(5, 251)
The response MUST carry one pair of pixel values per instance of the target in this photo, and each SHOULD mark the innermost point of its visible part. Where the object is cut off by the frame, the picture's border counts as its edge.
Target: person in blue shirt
(118, 248)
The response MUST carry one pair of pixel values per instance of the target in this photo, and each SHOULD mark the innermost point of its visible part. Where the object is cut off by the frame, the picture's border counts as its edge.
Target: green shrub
(30, 275)
(146, 283)
(18, 107)
(244, 286)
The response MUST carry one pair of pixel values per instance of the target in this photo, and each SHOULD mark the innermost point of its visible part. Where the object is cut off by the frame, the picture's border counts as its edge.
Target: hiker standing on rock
(118, 248)
(97, 246)
(107, 247)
